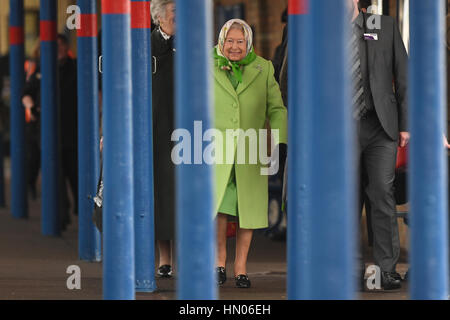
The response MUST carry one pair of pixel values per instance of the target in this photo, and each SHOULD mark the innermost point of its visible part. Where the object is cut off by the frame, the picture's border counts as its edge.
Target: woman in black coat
(163, 15)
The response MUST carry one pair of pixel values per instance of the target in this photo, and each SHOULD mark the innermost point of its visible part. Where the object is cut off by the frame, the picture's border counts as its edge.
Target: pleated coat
(256, 99)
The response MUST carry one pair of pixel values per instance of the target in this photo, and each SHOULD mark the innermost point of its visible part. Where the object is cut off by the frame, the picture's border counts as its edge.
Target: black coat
(280, 53)
(68, 103)
(67, 93)
(32, 88)
(163, 126)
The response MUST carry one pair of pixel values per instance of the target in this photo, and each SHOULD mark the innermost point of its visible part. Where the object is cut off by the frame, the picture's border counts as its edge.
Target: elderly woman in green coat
(246, 95)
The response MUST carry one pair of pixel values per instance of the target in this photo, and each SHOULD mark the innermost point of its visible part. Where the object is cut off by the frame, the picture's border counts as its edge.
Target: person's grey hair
(237, 26)
(158, 9)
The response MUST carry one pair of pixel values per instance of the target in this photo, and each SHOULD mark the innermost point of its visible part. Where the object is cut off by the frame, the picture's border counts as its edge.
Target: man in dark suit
(379, 65)
(68, 125)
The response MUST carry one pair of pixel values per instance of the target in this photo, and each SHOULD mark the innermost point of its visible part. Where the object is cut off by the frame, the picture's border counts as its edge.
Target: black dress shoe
(221, 275)
(389, 282)
(165, 271)
(242, 281)
(397, 276)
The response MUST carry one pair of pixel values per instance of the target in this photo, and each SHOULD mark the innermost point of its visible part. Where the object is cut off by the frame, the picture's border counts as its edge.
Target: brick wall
(265, 17)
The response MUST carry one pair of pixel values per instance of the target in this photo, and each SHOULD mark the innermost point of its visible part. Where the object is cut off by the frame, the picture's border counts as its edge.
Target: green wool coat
(256, 99)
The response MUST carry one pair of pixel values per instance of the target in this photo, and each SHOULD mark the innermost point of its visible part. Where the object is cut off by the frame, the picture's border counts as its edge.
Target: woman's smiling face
(235, 48)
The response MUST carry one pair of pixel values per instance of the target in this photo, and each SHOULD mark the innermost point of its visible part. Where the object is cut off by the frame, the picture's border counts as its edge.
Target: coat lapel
(249, 75)
(372, 47)
(224, 82)
(363, 57)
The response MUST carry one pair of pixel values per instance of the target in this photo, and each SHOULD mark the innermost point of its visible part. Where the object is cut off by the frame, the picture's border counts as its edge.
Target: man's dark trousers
(377, 154)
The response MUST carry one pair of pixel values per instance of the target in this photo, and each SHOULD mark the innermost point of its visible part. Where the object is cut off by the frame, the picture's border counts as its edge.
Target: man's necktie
(358, 101)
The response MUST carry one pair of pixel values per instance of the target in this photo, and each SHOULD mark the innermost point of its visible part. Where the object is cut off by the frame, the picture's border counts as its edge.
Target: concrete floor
(33, 266)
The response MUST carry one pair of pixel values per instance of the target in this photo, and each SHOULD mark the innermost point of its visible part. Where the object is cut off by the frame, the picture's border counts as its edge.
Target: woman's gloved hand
(283, 157)
(278, 160)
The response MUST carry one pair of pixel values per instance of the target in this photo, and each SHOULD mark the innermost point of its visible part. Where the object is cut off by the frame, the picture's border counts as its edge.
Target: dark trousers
(32, 154)
(377, 155)
(69, 165)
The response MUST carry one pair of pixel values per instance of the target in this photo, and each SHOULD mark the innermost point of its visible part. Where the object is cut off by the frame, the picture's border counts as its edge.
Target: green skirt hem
(229, 203)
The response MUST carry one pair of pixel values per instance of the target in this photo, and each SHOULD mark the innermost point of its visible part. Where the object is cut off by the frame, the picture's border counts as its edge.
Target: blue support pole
(428, 164)
(195, 224)
(118, 210)
(50, 221)
(89, 241)
(298, 235)
(327, 215)
(19, 202)
(144, 226)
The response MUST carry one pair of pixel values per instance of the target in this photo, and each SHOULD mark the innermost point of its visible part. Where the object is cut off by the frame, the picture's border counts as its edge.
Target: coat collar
(223, 80)
(249, 75)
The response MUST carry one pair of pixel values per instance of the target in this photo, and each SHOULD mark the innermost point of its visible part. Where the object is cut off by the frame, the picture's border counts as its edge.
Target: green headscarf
(235, 66)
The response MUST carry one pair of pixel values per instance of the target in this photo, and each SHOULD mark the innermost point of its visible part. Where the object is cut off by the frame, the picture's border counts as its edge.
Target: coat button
(234, 105)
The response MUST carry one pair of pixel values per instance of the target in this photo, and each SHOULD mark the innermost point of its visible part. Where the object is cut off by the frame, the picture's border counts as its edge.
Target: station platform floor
(33, 266)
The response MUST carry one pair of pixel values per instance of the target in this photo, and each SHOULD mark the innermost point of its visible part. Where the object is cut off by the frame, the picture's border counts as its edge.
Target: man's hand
(446, 145)
(28, 102)
(403, 139)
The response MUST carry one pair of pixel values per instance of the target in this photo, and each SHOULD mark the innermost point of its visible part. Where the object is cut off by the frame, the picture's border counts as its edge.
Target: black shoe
(397, 276)
(389, 282)
(165, 271)
(221, 275)
(242, 281)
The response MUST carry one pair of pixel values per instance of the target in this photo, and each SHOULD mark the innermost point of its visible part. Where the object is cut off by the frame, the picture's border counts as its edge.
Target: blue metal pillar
(144, 226)
(322, 191)
(19, 202)
(89, 241)
(118, 210)
(195, 224)
(50, 219)
(298, 233)
(428, 164)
